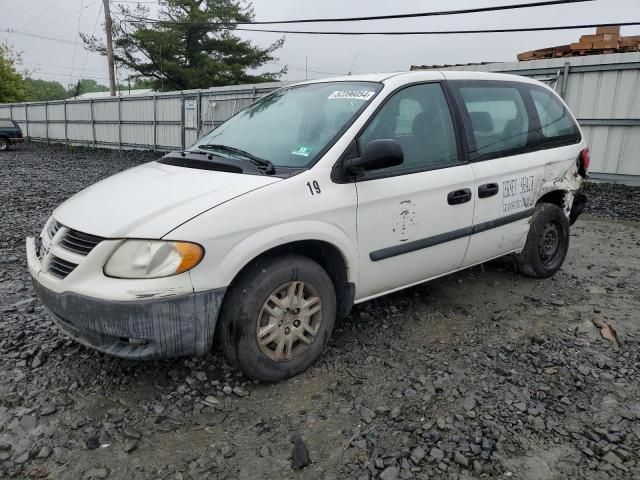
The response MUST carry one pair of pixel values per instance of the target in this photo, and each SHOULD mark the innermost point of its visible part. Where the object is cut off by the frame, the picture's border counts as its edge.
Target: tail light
(585, 157)
(584, 160)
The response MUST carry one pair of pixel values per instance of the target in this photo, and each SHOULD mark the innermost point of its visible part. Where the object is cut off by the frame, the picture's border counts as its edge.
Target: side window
(498, 117)
(555, 121)
(418, 117)
(6, 124)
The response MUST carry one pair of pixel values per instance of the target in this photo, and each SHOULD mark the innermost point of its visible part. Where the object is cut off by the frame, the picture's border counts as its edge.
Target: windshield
(291, 127)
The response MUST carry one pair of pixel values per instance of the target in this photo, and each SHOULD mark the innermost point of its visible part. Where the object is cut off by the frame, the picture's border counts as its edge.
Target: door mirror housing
(379, 154)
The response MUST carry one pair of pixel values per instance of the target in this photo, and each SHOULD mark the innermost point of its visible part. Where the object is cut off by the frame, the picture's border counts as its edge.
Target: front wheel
(547, 242)
(277, 317)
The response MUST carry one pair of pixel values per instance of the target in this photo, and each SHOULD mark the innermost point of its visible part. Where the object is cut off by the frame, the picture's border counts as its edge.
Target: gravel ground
(481, 374)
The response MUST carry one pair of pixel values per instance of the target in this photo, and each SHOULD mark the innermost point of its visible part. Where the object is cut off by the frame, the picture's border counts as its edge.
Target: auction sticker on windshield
(302, 151)
(351, 95)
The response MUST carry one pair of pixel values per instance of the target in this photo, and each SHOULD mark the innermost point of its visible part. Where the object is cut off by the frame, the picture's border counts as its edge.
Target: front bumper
(145, 329)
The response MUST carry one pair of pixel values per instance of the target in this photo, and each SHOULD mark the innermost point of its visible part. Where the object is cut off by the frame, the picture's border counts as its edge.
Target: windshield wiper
(270, 168)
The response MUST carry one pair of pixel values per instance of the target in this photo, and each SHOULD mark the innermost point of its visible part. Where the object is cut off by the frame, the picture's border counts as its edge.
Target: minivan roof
(427, 74)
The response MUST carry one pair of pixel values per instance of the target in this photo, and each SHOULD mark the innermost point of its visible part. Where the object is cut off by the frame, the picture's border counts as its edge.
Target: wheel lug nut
(287, 330)
(296, 323)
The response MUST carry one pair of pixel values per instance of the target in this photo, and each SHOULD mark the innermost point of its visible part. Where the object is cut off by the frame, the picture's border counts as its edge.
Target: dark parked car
(10, 134)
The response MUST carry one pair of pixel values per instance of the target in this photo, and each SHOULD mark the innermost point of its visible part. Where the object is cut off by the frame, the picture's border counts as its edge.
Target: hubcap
(549, 242)
(289, 321)
(3, 145)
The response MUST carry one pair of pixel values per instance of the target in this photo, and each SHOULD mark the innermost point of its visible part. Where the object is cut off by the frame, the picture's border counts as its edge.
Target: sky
(66, 60)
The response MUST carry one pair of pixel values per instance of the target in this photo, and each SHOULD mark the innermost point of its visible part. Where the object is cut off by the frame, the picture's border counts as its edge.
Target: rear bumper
(579, 204)
(16, 140)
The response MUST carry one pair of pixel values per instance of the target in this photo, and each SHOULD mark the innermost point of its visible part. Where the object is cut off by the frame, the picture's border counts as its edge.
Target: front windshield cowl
(291, 127)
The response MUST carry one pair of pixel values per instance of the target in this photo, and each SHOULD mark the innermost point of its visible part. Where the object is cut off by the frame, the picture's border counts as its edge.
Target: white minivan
(316, 197)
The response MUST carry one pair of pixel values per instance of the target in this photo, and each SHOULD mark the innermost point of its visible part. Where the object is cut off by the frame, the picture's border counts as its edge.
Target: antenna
(355, 57)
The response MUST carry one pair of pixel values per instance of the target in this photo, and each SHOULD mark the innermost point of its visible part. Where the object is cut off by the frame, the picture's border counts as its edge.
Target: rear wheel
(4, 144)
(547, 242)
(277, 317)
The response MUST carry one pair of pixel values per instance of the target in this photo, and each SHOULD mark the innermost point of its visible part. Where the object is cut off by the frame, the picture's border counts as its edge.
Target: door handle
(459, 196)
(488, 190)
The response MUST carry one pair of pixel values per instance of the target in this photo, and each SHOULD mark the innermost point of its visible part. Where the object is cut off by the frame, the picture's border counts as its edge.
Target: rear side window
(556, 125)
(6, 124)
(499, 120)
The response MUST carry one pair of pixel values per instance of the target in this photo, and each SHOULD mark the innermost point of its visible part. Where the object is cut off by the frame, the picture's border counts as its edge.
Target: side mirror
(378, 154)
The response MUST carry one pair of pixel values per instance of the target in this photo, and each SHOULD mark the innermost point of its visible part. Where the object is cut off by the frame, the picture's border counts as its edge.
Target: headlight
(152, 259)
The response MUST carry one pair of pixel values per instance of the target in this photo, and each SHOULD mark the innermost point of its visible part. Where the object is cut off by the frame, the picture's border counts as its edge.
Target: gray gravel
(482, 374)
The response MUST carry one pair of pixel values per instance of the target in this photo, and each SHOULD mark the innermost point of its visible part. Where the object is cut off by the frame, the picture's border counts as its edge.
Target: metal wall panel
(56, 131)
(137, 109)
(19, 113)
(137, 134)
(105, 111)
(169, 109)
(56, 112)
(169, 136)
(107, 134)
(36, 112)
(5, 112)
(81, 132)
(78, 111)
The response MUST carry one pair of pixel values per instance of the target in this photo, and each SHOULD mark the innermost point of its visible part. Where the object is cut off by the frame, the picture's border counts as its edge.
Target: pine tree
(193, 47)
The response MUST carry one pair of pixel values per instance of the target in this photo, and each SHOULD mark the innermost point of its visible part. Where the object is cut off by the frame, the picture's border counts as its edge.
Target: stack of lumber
(606, 40)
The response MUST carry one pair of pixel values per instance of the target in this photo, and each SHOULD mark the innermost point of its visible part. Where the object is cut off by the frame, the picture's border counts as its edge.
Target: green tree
(87, 85)
(193, 46)
(11, 82)
(43, 90)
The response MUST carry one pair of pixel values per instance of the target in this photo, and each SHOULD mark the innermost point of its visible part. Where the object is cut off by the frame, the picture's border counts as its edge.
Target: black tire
(547, 242)
(4, 144)
(243, 309)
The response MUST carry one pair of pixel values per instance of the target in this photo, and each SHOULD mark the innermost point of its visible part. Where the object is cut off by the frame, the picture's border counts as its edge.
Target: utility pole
(109, 31)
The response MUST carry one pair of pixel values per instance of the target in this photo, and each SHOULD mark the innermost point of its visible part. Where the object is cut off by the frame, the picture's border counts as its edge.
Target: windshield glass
(291, 127)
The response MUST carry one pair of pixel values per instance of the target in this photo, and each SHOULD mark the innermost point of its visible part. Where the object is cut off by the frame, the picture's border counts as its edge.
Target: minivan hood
(150, 200)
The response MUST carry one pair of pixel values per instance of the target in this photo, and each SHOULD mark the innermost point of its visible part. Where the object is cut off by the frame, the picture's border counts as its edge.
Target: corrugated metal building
(603, 91)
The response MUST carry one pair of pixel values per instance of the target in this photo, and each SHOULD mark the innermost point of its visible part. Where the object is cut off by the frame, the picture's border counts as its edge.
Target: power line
(42, 12)
(11, 31)
(63, 67)
(68, 15)
(95, 26)
(443, 32)
(75, 45)
(53, 74)
(24, 11)
(384, 17)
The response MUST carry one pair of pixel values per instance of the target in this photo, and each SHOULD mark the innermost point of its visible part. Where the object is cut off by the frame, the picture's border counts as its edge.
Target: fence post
(182, 120)
(26, 116)
(155, 122)
(93, 123)
(199, 115)
(66, 133)
(46, 119)
(120, 122)
(565, 79)
(11, 111)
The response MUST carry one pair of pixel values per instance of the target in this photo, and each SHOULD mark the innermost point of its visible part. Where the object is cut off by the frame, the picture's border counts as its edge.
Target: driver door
(413, 220)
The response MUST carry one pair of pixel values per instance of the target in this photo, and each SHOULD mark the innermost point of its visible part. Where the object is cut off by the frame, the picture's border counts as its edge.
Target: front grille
(79, 242)
(53, 228)
(59, 267)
